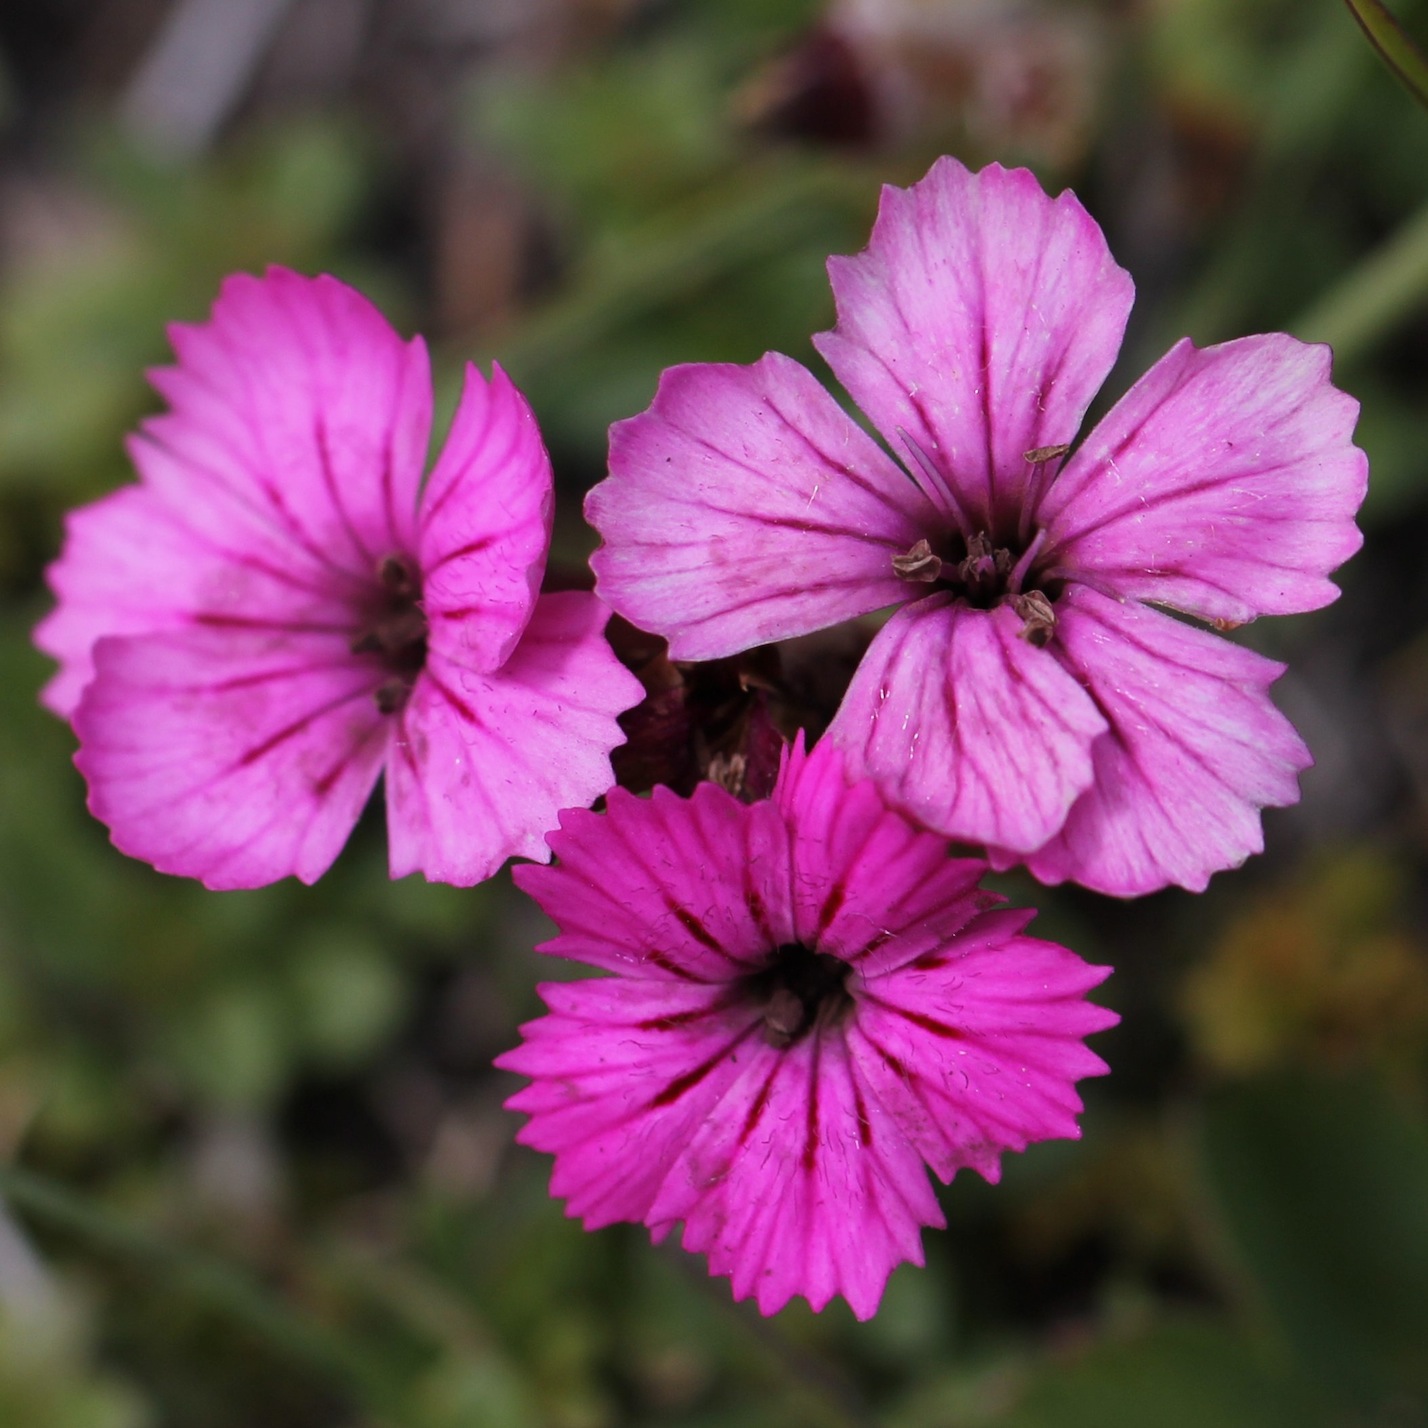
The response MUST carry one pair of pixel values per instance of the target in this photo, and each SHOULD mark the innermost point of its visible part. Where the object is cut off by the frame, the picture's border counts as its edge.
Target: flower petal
(1194, 750)
(869, 886)
(623, 1072)
(482, 763)
(134, 563)
(230, 756)
(975, 1050)
(745, 506)
(1224, 483)
(691, 890)
(968, 727)
(485, 525)
(299, 399)
(797, 1184)
(980, 320)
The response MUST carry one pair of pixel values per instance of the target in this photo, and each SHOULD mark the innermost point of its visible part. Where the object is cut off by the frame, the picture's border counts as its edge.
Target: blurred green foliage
(260, 1170)
(142, 244)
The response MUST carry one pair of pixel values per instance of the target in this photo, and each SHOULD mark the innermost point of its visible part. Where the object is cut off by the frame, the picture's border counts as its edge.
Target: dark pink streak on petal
(238, 779)
(473, 547)
(676, 1088)
(746, 506)
(797, 1186)
(1223, 483)
(622, 1076)
(300, 396)
(979, 1053)
(1193, 751)
(869, 886)
(135, 562)
(487, 761)
(366, 558)
(219, 621)
(967, 726)
(175, 459)
(980, 320)
(303, 723)
(485, 525)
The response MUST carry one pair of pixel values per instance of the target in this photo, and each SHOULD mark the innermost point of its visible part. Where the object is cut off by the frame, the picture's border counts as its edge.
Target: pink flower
(279, 610)
(810, 1001)
(1023, 697)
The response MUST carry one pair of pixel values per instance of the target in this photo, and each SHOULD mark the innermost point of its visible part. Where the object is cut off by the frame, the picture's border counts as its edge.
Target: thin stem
(1394, 47)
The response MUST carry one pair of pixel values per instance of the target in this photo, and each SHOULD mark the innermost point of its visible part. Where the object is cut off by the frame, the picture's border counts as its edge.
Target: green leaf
(1320, 1189)
(1394, 47)
(1186, 1374)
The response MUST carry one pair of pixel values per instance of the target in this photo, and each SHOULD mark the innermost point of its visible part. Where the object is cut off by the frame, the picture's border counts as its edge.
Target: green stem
(217, 1286)
(1394, 47)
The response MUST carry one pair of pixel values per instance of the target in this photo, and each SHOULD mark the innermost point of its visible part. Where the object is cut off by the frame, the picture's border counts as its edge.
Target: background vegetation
(257, 1169)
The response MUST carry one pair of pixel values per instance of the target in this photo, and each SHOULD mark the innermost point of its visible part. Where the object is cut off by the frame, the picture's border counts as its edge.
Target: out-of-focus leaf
(1385, 289)
(1320, 1188)
(620, 139)
(80, 319)
(1188, 1374)
(234, 1046)
(348, 996)
(47, 1375)
(725, 275)
(1408, 63)
(1321, 971)
(1390, 430)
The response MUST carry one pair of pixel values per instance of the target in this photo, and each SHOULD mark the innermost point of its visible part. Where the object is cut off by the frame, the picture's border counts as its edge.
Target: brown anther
(918, 564)
(392, 694)
(394, 630)
(403, 629)
(397, 577)
(985, 565)
(1039, 618)
(1038, 454)
(727, 770)
(784, 1017)
(1225, 626)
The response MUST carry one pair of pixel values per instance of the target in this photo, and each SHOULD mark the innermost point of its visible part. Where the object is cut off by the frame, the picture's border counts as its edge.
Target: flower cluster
(809, 1001)
(1025, 696)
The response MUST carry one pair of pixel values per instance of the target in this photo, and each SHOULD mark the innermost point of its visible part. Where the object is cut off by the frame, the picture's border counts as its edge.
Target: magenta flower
(1023, 697)
(274, 614)
(811, 999)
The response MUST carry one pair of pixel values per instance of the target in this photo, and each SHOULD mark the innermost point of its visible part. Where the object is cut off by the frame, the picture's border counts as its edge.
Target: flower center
(393, 628)
(797, 989)
(985, 575)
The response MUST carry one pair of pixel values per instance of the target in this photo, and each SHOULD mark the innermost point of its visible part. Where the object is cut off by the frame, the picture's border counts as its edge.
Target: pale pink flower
(279, 610)
(1023, 698)
(811, 1001)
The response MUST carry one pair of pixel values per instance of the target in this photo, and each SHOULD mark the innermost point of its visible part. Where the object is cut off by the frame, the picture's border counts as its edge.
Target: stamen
(395, 630)
(1039, 616)
(919, 564)
(985, 568)
(1023, 566)
(1039, 458)
(934, 485)
(798, 990)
